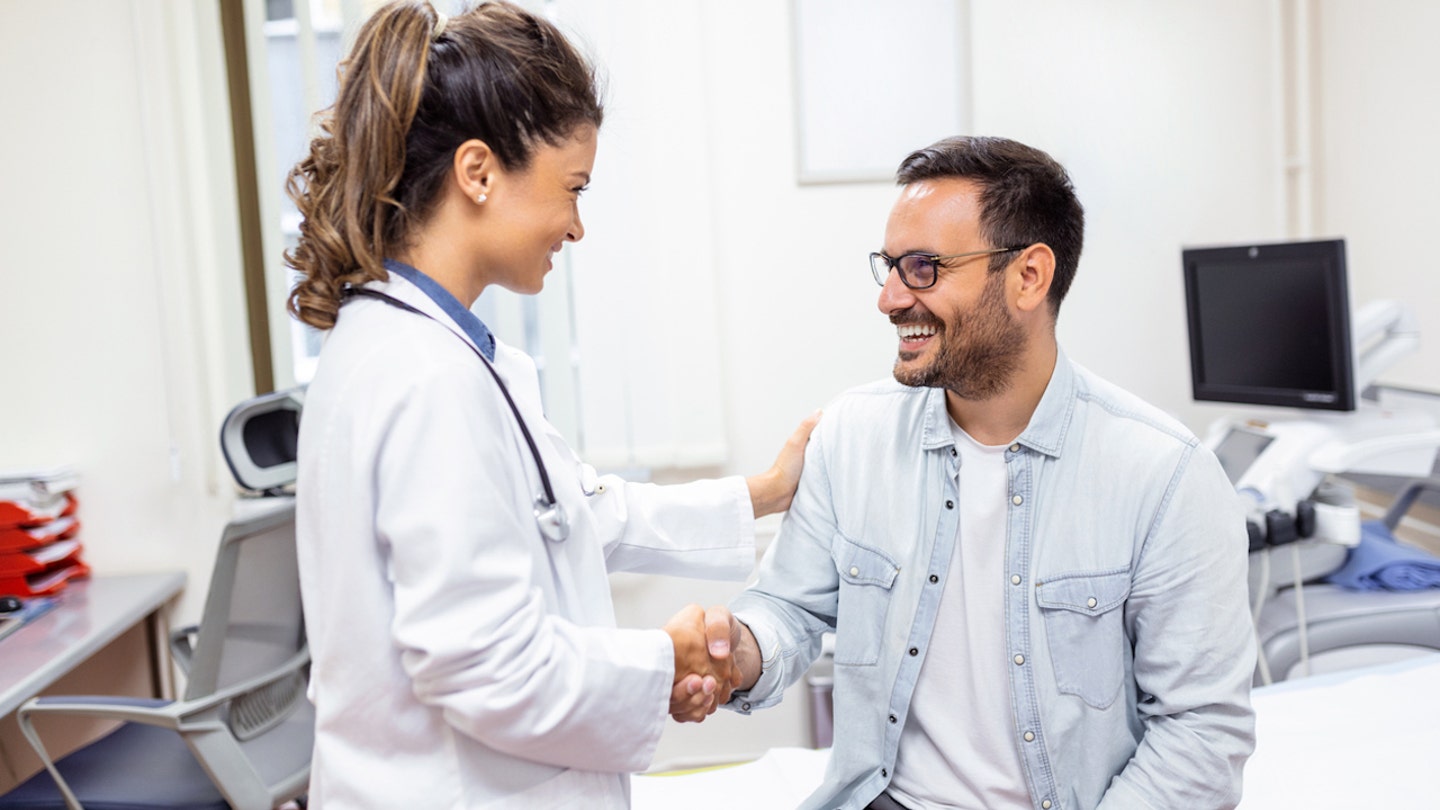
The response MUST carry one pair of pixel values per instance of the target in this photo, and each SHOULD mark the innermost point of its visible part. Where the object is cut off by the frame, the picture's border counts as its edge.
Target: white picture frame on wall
(875, 81)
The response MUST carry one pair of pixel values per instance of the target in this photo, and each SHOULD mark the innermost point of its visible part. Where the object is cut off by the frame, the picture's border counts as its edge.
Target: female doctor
(453, 550)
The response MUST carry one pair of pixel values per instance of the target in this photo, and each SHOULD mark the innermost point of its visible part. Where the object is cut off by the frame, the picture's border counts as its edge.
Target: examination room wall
(122, 341)
(1378, 117)
(122, 336)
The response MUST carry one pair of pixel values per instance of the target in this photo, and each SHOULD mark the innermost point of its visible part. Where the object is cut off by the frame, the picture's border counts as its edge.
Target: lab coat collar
(469, 323)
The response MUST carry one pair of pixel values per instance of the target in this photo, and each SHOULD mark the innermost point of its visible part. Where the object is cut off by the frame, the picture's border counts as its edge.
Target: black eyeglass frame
(881, 264)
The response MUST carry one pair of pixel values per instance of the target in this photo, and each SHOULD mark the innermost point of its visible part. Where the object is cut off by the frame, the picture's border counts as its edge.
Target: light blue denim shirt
(1127, 619)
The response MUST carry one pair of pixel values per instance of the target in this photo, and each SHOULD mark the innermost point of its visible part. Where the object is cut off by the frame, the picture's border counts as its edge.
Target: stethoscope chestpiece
(551, 519)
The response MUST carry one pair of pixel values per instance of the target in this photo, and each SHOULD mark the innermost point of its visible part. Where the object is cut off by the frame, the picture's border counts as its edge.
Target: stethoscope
(549, 514)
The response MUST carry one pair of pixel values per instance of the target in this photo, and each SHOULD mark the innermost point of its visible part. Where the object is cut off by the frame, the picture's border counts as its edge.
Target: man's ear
(475, 169)
(1032, 274)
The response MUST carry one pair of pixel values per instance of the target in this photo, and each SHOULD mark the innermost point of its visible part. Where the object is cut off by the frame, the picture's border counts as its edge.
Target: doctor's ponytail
(414, 87)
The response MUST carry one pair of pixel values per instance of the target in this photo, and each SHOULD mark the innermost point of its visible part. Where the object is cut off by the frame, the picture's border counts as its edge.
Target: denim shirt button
(1014, 579)
(1015, 448)
(894, 719)
(1091, 602)
(914, 650)
(1019, 659)
(1045, 804)
(854, 571)
(934, 578)
(1029, 736)
(1017, 500)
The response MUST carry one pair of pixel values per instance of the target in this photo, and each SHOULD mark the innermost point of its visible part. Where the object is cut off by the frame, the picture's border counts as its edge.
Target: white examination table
(1361, 738)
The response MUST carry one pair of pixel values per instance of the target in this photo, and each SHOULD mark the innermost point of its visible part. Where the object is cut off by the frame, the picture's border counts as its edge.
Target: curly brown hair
(407, 99)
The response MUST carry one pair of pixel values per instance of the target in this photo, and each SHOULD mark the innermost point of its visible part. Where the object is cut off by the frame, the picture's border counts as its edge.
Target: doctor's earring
(480, 198)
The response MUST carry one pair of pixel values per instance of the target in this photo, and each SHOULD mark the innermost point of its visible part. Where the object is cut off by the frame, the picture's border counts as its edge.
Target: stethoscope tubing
(561, 529)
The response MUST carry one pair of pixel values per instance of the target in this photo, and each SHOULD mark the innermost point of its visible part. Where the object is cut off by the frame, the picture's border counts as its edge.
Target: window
(301, 42)
(648, 392)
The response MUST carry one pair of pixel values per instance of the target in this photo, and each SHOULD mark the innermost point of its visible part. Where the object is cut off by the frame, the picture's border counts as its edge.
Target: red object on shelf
(44, 583)
(45, 558)
(19, 513)
(13, 540)
(39, 548)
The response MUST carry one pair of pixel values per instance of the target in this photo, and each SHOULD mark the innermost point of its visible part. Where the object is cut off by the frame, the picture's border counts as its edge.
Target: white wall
(121, 340)
(1379, 116)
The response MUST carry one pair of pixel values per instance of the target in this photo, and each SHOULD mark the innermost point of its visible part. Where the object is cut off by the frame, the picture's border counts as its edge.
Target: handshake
(712, 659)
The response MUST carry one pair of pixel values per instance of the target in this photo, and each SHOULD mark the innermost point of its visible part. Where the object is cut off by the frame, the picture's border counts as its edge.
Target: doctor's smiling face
(958, 334)
(530, 214)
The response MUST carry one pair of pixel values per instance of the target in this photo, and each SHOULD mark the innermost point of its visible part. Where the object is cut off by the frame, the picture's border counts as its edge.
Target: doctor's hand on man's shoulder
(772, 490)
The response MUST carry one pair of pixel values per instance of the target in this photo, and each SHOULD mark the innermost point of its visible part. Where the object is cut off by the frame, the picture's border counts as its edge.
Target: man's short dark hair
(1025, 197)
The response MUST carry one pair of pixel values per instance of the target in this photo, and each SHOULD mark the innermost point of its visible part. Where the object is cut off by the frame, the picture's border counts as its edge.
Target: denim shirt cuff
(768, 689)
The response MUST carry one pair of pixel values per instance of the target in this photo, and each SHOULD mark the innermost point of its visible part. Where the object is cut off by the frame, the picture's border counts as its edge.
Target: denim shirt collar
(468, 321)
(1048, 425)
(1051, 420)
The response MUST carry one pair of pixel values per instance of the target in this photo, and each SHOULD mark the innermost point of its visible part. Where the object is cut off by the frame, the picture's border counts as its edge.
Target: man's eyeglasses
(918, 271)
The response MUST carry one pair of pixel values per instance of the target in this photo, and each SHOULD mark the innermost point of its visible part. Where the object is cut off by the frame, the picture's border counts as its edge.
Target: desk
(51, 651)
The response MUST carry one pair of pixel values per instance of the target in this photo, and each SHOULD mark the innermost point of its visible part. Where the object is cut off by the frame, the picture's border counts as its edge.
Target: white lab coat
(461, 660)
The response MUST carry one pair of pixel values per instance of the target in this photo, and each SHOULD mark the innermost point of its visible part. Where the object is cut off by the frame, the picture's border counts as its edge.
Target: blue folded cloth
(1380, 563)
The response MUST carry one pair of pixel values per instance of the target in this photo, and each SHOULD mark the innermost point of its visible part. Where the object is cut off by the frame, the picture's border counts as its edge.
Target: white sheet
(1369, 738)
(1363, 738)
(780, 779)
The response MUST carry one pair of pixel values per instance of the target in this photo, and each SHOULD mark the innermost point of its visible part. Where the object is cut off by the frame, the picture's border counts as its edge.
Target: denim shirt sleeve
(795, 598)
(1194, 648)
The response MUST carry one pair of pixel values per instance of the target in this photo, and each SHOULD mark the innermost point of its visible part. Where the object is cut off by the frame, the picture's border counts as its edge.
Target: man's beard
(979, 351)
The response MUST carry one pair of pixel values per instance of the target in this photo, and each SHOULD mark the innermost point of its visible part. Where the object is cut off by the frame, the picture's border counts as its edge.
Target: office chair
(242, 735)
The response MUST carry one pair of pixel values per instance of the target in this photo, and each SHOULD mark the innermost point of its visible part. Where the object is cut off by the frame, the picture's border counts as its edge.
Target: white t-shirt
(957, 749)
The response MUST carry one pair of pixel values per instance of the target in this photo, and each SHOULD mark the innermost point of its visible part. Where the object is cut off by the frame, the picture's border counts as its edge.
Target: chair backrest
(253, 622)
(251, 656)
(259, 439)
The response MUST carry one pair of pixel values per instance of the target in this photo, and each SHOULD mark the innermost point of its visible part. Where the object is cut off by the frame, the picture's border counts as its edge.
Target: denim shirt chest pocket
(1085, 630)
(866, 578)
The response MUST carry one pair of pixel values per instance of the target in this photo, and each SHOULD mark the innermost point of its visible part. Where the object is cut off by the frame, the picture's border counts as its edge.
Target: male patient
(1035, 579)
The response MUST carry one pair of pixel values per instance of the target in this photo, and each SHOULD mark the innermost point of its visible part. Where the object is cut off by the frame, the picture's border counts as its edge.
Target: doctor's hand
(771, 491)
(703, 679)
(728, 637)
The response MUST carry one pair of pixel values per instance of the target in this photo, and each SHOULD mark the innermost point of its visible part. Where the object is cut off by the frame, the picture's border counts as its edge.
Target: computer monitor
(1270, 324)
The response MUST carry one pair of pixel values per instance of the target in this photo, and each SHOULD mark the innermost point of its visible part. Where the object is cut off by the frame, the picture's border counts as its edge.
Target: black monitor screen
(1270, 324)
